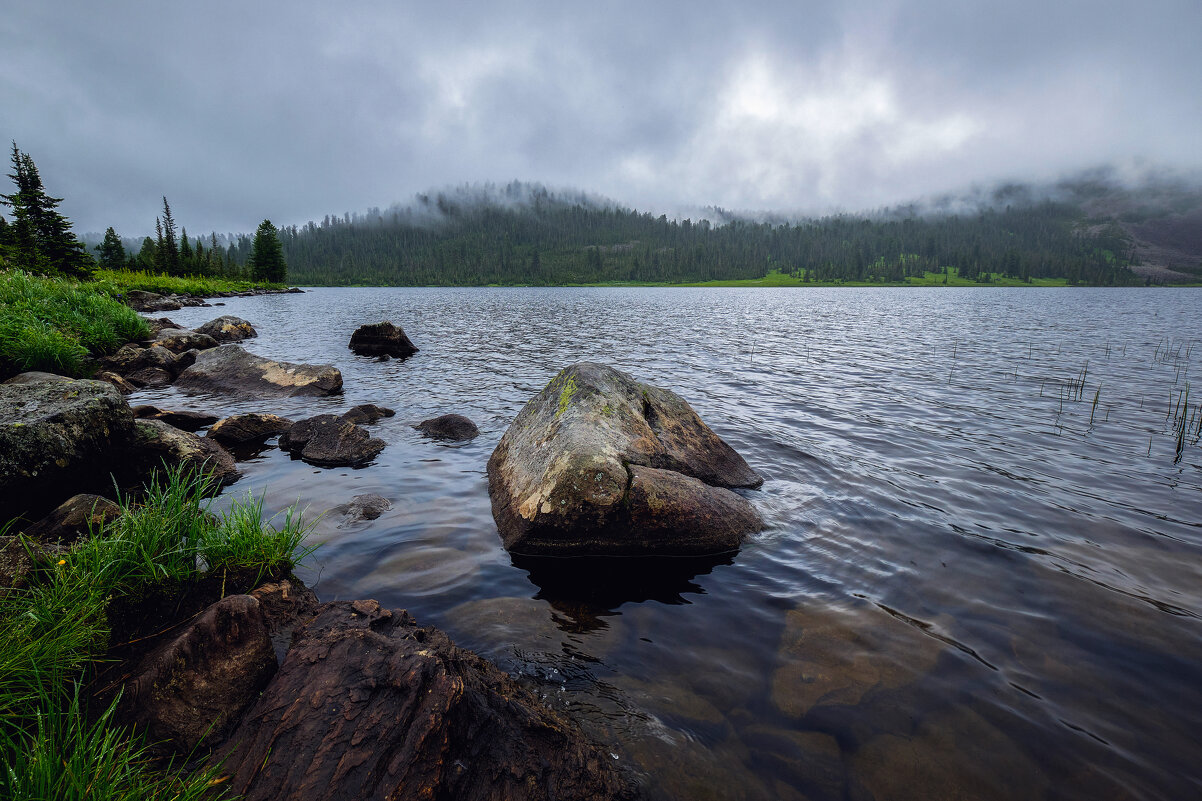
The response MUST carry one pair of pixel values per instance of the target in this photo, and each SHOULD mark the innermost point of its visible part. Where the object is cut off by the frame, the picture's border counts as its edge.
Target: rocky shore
(299, 699)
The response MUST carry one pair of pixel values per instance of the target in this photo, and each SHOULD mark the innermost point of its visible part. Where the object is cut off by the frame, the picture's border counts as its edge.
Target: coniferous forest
(459, 239)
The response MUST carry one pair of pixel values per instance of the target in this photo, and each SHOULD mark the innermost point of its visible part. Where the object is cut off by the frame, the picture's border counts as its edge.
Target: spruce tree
(267, 255)
(41, 239)
(169, 246)
(112, 252)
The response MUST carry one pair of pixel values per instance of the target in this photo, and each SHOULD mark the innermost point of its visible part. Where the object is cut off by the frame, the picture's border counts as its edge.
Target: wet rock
(367, 413)
(56, 439)
(228, 328)
(598, 463)
(75, 518)
(382, 339)
(149, 377)
(184, 420)
(157, 325)
(194, 687)
(178, 340)
(835, 656)
(35, 377)
(285, 604)
(367, 705)
(249, 427)
(156, 444)
(142, 301)
(809, 759)
(453, 427)
(328, 440)
(123, 386)
(363, 507)
(231, 369)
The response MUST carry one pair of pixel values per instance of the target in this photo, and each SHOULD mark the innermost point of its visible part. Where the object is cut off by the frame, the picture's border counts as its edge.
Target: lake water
(980, 579)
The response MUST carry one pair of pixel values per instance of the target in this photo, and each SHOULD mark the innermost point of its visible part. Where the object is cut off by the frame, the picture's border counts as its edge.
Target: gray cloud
(240, 111)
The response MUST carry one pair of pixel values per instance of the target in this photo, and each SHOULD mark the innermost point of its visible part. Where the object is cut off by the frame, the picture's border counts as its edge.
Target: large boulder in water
(231, 369)
(368, 705)
(56, 439)
(454, 427)
(382, 339)
(599, 463)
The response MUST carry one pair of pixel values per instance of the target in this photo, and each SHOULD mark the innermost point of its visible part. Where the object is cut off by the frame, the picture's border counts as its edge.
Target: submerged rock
(57, 438)
(228, 328)
(599, 463)
(367, 413)
(231, 369)
(194, 687)
(249, 427)
(382, 339)
(363, 507)
(453, 427)
(328, 440)
(368, 705)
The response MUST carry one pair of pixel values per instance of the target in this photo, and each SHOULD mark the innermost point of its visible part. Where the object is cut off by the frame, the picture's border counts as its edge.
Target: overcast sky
(237, 111)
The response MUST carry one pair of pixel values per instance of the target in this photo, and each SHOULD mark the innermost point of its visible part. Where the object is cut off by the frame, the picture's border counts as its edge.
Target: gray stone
(600, 463)
(248, 427)
(228, 328)
(56, 439)
(367, 413)
(178, 340)
(157, 444)
(75, 518)
(454, 427)
(363, 507)
(382, 339)
(36, 377)
(328, 440)
(231, 369)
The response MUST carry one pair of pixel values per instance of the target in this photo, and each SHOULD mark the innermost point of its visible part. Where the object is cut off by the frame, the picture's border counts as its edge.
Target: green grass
(52, 630)
(118, 282)
(55, 325)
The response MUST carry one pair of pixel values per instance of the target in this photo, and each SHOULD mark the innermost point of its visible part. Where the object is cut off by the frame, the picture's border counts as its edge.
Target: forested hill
(458, 239)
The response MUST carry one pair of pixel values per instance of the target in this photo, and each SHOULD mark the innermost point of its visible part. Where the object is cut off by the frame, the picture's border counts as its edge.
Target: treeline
(172, 252)
(545, 240)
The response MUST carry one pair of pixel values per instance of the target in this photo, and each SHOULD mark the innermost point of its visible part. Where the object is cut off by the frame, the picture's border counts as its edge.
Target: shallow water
(976, 582)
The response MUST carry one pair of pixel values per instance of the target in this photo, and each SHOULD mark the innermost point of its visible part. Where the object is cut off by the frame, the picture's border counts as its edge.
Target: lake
(982, 573)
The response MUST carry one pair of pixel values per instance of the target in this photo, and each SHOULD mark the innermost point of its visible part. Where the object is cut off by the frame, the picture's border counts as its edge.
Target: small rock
(183, 420)
(143, 301)
(248, 427)
(367, 413)
(382, 339)
(178, 340)
(327, 440)
(228, 328)
(149, 377)
(120, 383)
(159, 324)
(75, 518)
(363, 507)
(156, 443)
(454, 427)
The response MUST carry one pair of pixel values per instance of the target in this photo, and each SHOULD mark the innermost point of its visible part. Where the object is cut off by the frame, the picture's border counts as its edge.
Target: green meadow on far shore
(775, 278)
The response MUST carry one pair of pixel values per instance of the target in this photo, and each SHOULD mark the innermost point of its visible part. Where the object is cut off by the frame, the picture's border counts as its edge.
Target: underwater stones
(368, 506)
(836, 656)
(453, 427)
(425, 571)
(328, 440)
(228, 328)
(599, 463)
(368, 705)
(231, 369)
(382, 339)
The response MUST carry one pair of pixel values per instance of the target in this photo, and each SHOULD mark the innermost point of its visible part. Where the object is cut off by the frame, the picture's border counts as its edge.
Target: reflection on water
(980, 579)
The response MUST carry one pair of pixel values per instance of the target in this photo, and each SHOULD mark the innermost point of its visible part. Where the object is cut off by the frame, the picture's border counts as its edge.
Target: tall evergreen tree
(112, 252)
(267, 255)
(169, 246)
(41, 239)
